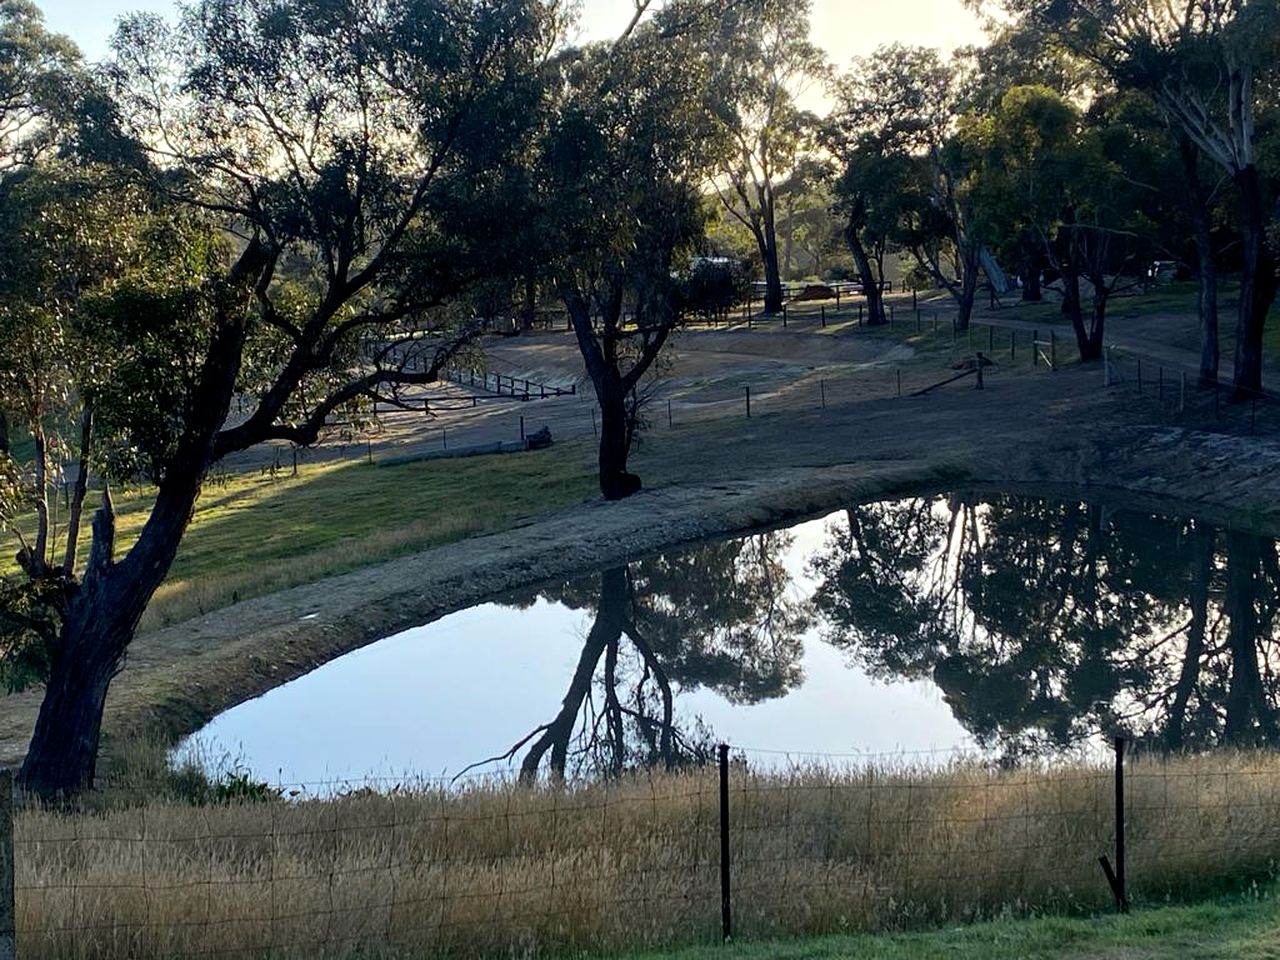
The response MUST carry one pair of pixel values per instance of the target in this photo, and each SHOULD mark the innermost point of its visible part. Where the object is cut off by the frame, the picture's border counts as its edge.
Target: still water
(1010, 625)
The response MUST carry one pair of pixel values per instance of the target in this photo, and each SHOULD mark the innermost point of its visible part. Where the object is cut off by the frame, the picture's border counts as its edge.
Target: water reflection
(1043, 623)
(1027, 626)
(723, 618)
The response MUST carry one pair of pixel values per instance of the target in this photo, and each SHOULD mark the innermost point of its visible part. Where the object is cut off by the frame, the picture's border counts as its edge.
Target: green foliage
(239, 786)
(29, 620)
(714, 287)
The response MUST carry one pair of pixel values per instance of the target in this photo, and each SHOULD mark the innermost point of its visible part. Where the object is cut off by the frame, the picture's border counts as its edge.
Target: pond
(1013, 626)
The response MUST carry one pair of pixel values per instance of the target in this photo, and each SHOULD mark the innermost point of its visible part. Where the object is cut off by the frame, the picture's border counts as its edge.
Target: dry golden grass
(497, 870)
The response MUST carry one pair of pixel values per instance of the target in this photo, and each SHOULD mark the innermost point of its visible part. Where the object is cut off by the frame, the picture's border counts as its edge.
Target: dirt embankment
(1055, 433)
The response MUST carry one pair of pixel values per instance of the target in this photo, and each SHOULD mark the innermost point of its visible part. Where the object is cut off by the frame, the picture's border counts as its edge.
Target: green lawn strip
(252, 534)
(1233, 928)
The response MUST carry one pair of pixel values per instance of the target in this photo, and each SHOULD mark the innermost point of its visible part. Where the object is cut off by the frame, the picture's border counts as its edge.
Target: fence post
(824, 316)
(522, 429)
(595, 430)
(899, 383)
(913, 298)
(980, 362)
(726, 899)
(822, 389)
(8, 925)
(747, 388)
(784, 315)
(670, 424)
(1122, 891)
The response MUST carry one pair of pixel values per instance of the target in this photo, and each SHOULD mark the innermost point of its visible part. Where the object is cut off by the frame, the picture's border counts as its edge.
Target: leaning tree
(351, 155)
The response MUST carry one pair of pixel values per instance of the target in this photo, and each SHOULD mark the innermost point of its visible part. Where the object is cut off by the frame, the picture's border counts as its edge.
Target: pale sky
(846, 28)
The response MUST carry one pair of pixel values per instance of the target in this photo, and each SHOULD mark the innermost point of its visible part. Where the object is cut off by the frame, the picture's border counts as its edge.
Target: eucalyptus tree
(908, 172)
(628, 142)
(353, 155)
(764, 63)
(893, 112)
(1210, 66)
(35, 66)
(35, 72)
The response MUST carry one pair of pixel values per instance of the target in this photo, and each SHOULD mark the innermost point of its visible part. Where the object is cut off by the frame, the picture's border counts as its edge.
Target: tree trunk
(529, 314)
(40, 551)
(1032, 268)
(968, 285)
(870, 281)
(768, 242)
(1257, 286)
(79, 491)
(1206, 267)
(615, 442)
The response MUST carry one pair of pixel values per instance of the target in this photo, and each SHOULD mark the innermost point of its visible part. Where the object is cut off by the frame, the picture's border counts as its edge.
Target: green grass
(1222, 930)
(253, 534)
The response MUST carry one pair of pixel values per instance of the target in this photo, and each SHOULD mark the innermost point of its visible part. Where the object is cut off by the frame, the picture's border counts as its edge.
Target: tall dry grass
(496, 870)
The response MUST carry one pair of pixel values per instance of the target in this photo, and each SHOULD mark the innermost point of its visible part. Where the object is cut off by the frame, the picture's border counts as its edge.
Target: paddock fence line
(1175, 390)
(756, 844)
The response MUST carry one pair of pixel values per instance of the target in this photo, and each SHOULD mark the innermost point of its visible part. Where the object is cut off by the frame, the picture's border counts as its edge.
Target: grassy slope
(252, 534)
(1210, 931)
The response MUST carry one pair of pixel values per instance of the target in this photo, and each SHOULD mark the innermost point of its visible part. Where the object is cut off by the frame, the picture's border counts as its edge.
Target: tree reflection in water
(723, 617)
(1043, 622)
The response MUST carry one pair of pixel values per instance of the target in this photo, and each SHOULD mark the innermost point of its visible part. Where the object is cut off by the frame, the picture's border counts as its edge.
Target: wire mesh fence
(1174, 391)
(491, 867)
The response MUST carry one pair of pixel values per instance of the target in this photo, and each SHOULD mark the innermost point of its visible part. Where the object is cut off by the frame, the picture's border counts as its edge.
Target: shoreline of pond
(243, 651)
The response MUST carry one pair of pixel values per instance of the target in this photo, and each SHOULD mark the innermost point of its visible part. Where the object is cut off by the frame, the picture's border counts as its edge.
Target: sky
(845, 28)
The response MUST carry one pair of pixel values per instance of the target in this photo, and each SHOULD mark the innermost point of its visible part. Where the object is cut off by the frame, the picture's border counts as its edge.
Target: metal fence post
(822, 390)
(1115, 875)
(747, 388)
(1120, 878)
(726, 899)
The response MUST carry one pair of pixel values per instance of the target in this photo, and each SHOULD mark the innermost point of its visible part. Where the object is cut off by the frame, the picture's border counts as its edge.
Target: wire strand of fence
(493, 865)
